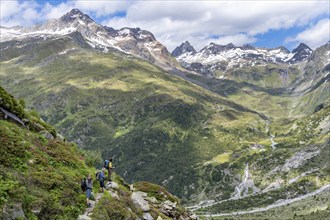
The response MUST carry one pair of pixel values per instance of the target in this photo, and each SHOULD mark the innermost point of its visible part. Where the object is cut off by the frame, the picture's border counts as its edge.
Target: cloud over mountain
(315, 35)
(174, 22)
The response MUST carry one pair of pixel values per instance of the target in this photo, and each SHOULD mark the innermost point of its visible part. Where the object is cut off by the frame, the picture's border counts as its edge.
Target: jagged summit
(301, 47)
(214, 48)
(134, 41)
(248, 47)
(75, 14)
(183, 48)
(229, 46)
(226, 57)
(302, 52)
(75, 11)
(283, 49)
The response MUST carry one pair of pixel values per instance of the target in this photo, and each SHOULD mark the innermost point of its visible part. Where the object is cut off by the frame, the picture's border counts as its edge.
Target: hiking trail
(109, 187)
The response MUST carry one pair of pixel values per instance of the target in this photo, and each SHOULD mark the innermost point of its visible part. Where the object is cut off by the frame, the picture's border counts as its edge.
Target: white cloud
(8, 8)
(18, 13)
(30, 14)
(49, 11)
(202, 21)
(26, 13)
(173, 22)
(101, 8)
(238, 39)
(314, 36)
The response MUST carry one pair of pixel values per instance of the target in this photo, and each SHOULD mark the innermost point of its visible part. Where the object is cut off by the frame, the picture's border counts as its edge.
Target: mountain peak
(229, 46)
(183, 48)
(302, 52)
(214, 48)
(302, 46)
(283, 49)
(75, 11)
(247, 47)
(74, 14)
(211, 45)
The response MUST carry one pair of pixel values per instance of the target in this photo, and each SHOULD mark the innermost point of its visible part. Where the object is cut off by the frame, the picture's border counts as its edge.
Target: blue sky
(267, 23)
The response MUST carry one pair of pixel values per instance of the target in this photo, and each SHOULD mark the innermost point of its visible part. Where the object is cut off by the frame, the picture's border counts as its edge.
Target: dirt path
(109, 187)
(89, 211)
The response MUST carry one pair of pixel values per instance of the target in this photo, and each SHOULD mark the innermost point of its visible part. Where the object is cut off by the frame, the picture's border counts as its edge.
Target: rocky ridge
(142, 201)
(184, 48)
(133, 41)
(223, 58)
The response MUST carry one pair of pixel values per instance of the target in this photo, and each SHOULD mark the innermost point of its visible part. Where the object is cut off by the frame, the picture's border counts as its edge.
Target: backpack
(98, 176)
(106, 164)
(83, 185)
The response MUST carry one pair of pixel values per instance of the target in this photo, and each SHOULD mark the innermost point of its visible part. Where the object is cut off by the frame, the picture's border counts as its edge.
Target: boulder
(47, 135)
(83, 217)
(60, 137)
(169, 203)
(13, 211)
(114, 194)
(111, 185)
(152, 200)
(168, 206)
(36, 210)
(193, 216)
(147, 216)
(139, 201)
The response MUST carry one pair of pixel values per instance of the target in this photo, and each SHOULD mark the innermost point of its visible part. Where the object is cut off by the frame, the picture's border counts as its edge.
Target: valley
(231, 138)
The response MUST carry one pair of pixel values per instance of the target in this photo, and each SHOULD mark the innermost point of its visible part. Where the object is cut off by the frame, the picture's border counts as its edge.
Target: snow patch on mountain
(215, 57)
(132, 41)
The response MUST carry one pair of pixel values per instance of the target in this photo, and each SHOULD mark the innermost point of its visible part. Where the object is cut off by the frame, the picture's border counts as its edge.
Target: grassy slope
(41, 176)
(129, 108)
(35, 172)
(275, 101)
(293, 136)
(292, 120)
(296, 127)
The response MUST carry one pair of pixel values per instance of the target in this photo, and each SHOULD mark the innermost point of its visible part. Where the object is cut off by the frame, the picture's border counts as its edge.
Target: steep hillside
(39, 172)
(40, 176)
(127, 107)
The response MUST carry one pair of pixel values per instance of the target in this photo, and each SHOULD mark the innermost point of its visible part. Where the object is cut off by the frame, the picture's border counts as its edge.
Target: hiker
(109, 167)
(89, 188)
(83, 184)
(101, 177)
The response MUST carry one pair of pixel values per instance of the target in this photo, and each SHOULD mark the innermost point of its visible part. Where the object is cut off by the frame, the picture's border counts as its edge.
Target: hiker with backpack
(108, 166)
(100, 176)
(89, 188)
